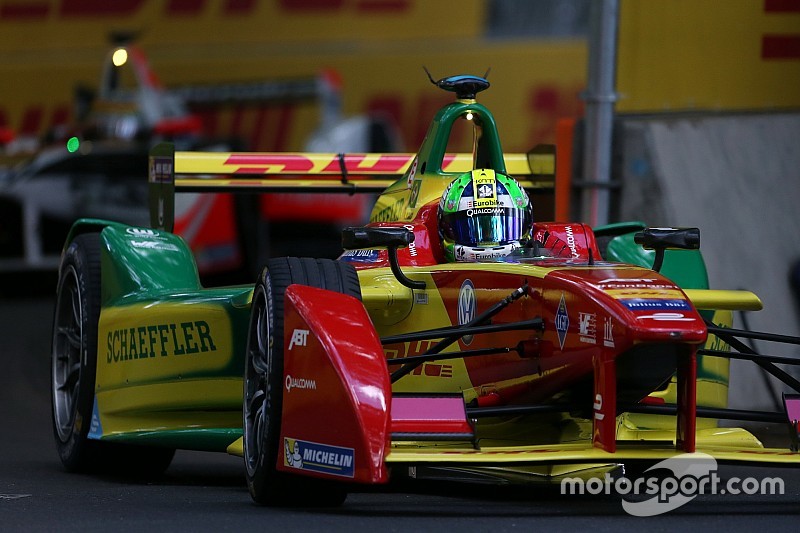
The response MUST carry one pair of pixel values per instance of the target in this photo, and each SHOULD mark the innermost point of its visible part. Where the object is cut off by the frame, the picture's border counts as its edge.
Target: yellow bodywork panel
(727, 300)
(237, 447)
(577, 453)
(147, 343)
(185, 404)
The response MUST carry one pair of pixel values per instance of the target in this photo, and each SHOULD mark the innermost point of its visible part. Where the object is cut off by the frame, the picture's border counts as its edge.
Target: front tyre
(263, 381)
(74, 368)
(74, 350)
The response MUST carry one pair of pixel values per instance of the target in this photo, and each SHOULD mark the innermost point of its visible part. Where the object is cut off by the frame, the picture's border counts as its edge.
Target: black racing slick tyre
(73, 371)
(263, 381)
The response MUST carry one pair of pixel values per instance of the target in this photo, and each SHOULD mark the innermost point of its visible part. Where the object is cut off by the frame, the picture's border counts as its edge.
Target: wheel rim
(66, 356)
(257, 366)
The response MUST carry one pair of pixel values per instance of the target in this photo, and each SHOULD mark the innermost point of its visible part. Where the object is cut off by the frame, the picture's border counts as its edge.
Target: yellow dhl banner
(708, 54)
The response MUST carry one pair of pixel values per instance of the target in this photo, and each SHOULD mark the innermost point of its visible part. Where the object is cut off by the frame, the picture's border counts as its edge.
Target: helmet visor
(476, 227)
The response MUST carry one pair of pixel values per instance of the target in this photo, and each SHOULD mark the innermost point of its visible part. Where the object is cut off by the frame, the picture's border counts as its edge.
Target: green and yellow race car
(456, 336)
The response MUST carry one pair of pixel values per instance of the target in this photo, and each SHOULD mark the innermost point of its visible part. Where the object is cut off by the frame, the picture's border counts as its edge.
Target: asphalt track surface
(206, 492)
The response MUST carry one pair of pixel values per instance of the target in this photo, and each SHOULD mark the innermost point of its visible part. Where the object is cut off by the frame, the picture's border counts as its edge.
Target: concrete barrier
(737, 178)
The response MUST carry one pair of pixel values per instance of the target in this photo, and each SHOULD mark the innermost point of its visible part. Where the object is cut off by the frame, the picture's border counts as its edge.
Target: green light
(73, 144)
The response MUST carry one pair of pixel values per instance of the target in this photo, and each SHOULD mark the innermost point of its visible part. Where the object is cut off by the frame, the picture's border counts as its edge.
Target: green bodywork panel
(685, 267)
(146, 273)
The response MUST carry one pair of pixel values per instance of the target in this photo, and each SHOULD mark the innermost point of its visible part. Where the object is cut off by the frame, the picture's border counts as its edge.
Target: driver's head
(483, 215)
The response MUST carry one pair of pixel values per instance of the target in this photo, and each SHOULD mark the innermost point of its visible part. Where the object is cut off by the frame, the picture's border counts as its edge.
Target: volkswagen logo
(467, 305)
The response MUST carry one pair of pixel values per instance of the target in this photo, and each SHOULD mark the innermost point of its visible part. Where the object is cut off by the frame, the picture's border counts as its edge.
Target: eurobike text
(692, 474)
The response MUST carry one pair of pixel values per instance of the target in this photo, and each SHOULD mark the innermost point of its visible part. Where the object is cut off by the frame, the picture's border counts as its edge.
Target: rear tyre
(263, 382)
(74, 367)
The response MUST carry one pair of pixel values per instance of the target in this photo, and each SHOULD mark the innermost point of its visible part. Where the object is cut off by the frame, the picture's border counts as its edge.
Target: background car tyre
(263, 381)
(73, 371)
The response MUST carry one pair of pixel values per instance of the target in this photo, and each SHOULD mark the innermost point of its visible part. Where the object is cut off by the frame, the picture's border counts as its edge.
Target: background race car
(94, 166)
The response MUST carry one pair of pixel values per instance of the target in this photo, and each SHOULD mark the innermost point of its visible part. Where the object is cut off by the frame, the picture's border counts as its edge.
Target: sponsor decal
(412, 172)
(643, 283)
(433, 370)
(639, 304)
(154, 245)
(638, 282)
(361, 256)
(562, 321)
(389, 213)
(670, 317)
(166, 339)
(149, 239)
(486, 211)
(142, 232)
(299, 338)
(608, 332)
(467, 307)
(421, 298)
(451, 202)
(523, 199)
(410, 349)
(95, 427)
(412, 247)
(412, 199)
(485, 187)
(573, 248)
(469, 254)
(587, 327)
(428, 370)
(598, 406)
(160, 169)
(316, 457)
(299, 383)
(485, 191)
(715, 343)
(663, 294)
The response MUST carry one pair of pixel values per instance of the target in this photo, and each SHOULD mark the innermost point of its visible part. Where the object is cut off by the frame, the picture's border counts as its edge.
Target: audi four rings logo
(142, 232)
(467, 306)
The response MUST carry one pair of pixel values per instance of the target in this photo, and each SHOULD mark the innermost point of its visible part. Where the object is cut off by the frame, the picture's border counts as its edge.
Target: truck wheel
(73, 370)
(263, 381)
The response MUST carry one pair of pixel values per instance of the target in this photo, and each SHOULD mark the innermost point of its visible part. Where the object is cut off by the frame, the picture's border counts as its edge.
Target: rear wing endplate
(303, 172)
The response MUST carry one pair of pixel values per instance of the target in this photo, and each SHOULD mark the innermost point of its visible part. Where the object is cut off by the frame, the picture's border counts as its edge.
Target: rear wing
(302, 172)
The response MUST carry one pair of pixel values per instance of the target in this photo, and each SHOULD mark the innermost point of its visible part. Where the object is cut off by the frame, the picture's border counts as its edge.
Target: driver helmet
(484, 215)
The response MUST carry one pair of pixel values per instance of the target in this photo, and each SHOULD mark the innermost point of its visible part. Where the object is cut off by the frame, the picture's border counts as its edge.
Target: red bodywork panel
(209, 228)
(605, 324)
(336, 389)
(592, 316)
(567, 240)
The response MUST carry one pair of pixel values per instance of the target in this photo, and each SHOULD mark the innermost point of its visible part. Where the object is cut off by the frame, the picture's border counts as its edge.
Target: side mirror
(660, 239)
(372, 237)
(392, 238)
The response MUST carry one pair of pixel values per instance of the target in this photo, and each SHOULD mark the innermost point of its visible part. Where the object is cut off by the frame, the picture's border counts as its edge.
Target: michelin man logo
(291, 450)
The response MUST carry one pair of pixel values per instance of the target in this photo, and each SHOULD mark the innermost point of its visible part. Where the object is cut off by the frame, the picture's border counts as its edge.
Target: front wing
(361, 422)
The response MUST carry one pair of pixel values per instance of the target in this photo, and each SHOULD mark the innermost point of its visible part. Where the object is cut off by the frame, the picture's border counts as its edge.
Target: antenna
(429, 74)
(465, 86)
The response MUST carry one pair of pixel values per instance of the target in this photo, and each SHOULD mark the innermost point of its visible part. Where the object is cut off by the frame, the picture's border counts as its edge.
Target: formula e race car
(543, 356)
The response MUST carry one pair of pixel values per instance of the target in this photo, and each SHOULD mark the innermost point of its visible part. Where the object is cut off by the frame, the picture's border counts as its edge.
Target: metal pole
(600, 97)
